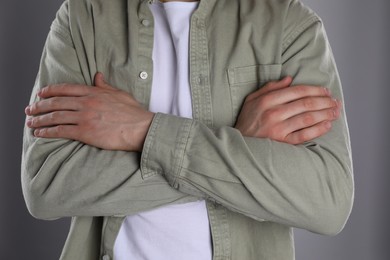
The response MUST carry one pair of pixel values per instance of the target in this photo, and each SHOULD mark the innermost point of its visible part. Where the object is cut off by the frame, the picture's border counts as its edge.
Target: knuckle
(331, 102)
(291, 140)
(91, 102)
(34, 107)
(43, 132)
(53, 102)
(58, 130)
(53, 116)
(89, 116)
(35, 121)
(308, 119)
(331, 114)
(45, 89)
(308, 103)
(89, 122)
(277, 112)
(267, 117)
(278, 134)
(301, 137)
(264, 101)
(273, 134)
(299, 90)
(326, 126)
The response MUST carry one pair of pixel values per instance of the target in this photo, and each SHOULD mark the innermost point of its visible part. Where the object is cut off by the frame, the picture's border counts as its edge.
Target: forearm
(304, 186)
(67, 178)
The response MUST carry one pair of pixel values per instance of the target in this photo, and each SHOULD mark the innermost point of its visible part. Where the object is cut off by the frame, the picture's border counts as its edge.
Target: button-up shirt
(256, 189)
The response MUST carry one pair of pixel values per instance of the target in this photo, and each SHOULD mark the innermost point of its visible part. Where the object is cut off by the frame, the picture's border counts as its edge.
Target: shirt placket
(200, 70)
(143, 84)
(141, 91)
(203, 112)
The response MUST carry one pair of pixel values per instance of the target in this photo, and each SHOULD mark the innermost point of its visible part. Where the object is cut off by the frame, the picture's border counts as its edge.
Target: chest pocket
(246, 80)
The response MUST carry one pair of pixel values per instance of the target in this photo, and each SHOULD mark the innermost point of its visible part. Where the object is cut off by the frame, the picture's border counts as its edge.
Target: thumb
(100, 81)
(284, 82)
(275, 85)
(272, 86)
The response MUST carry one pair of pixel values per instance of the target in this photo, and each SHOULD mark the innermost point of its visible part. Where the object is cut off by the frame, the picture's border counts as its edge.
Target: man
(240, 153)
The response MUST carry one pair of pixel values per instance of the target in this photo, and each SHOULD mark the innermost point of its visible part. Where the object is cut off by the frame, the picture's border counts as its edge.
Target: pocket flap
(256, 73)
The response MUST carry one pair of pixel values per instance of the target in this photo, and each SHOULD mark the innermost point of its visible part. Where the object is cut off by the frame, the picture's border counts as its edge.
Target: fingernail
(29, 122)
(334, 113)
(327, 91)
(27, 110)
(328, 125)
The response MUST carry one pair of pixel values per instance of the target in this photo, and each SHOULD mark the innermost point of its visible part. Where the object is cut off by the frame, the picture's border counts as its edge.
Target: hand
(101, 116)
(287, 114)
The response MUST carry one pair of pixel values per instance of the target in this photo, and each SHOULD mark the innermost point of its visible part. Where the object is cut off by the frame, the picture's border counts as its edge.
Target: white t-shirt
(173, 232)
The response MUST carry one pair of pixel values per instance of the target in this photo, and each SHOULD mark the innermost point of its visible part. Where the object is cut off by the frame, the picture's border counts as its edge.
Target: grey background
(359, 33)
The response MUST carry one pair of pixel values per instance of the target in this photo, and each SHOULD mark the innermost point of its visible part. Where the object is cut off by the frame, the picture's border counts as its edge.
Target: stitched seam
(181, 146)
(62, 33)
(292, 36)
(146, 172)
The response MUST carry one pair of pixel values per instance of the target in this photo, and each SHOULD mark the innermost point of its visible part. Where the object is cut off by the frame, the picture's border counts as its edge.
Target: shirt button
(198, 23)
(199, 80)
(143, 75)
(106, 257)
(145, 23)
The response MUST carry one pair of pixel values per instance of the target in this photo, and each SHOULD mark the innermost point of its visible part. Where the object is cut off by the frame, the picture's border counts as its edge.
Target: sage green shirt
(256, 189)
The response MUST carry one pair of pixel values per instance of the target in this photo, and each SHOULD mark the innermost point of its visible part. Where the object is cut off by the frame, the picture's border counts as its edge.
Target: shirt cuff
(164, 147)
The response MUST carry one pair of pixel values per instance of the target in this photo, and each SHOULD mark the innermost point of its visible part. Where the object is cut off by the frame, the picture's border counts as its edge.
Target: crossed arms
(111, 119)
(80, 151)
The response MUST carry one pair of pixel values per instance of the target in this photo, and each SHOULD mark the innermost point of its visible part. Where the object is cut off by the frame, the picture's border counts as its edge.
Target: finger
(272, 86)
(52, 104)
(64, 90)
(275, 85)
(53, 119)
(308, 119)
(286, 95)
(339, 105)
(100, 81)
(310, 133)
(307, 104)
(60, 131)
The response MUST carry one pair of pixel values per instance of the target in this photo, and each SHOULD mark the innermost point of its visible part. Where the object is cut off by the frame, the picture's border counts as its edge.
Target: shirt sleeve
(307, 186)
(68, 178)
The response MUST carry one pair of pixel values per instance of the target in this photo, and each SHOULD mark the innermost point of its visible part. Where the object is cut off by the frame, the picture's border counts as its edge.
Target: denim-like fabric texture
(257, 189)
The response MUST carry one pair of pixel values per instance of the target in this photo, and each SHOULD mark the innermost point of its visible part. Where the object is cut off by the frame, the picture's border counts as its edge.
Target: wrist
(142, 131)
